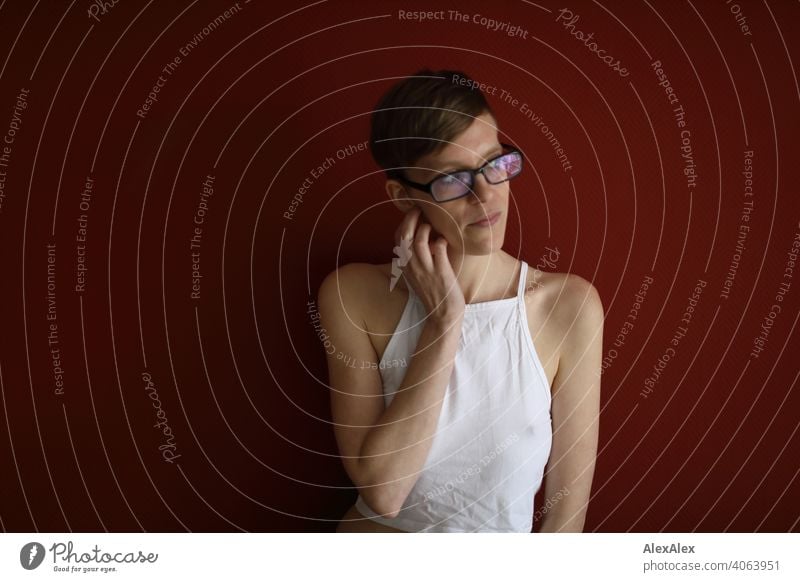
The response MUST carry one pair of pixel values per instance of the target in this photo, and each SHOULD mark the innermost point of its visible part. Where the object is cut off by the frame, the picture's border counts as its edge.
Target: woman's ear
(398, 194)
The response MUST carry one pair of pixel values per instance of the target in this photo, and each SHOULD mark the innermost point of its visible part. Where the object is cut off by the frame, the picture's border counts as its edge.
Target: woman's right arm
(385, 448)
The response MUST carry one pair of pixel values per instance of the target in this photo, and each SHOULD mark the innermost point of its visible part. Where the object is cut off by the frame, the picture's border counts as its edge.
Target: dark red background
(241, 374)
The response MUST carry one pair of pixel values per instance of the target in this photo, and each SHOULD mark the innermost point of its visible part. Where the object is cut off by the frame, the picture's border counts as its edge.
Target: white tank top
(494, 432)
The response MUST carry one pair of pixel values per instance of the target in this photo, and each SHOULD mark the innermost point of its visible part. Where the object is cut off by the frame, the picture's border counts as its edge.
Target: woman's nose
(482, 189)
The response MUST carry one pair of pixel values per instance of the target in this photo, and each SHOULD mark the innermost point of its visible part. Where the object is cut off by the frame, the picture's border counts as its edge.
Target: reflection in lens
(452, 185)
(514, 164)
(504, 167)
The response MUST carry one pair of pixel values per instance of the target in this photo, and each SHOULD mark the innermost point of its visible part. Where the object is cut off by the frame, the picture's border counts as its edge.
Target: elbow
(379, 502)
(383, 495)
(390, 513)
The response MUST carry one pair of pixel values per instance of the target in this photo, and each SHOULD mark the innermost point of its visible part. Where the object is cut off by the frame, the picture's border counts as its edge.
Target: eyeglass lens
(458, 183)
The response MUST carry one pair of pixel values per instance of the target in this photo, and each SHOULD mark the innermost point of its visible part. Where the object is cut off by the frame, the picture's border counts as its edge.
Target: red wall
(240, 376)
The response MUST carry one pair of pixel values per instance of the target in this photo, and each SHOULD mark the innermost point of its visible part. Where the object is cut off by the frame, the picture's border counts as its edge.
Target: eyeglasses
(454, 185)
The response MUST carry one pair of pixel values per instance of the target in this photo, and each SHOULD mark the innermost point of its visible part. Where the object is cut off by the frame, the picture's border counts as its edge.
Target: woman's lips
(493, 218)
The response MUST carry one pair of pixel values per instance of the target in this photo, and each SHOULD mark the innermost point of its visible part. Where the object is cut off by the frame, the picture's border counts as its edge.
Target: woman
(454, 385)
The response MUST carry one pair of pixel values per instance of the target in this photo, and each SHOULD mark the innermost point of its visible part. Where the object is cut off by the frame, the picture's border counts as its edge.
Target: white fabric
(494, 433)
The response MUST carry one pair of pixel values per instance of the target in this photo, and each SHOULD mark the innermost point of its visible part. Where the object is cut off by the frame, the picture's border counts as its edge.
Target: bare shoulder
(365, 276)
(349, 276)
(564, 297)
(582, 301)
(563, 310)
(351, 283)
(362, 287)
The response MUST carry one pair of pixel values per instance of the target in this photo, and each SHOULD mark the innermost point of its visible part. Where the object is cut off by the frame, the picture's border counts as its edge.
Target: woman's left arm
(575, 409)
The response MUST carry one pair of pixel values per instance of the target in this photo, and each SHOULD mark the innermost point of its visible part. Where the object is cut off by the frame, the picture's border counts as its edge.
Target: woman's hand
(428, 270)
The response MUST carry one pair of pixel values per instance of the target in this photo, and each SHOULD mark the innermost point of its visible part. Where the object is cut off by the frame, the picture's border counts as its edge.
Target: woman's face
(455, 220)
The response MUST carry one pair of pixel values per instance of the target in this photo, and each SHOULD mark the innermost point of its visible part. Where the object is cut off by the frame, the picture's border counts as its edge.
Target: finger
(439, 253)
(407, 227)
(422, 251)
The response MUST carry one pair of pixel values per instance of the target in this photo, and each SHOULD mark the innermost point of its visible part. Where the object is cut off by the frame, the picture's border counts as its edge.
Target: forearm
(568, 489)
(567, 516)
(395, 450)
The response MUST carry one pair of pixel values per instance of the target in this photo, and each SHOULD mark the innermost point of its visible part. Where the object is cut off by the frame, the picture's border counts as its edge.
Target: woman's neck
(485, 277)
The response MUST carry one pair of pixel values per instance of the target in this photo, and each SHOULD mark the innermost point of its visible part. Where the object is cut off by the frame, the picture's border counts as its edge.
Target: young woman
(454, 386)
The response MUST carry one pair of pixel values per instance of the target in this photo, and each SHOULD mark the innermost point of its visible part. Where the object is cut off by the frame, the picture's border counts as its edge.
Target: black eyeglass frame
(428, 189)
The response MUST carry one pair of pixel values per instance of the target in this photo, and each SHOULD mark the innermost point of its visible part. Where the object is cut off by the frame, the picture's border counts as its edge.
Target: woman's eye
(460, 178)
